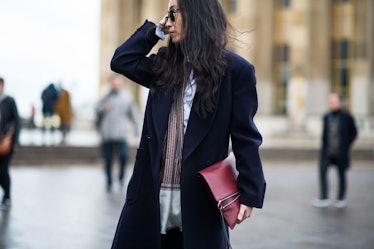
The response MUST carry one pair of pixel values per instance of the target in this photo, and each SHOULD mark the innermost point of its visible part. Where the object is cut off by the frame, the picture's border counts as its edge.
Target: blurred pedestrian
(9, 123)
(31, 124)
(339, 132)
(49, 97)
(64, 111)
(201, 95)
(117, 111)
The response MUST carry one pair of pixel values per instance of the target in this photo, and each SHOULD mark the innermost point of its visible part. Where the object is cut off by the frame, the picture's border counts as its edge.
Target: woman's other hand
(244, 213)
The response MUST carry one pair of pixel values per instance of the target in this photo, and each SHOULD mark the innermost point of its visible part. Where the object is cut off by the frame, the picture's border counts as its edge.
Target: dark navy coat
(206, 141)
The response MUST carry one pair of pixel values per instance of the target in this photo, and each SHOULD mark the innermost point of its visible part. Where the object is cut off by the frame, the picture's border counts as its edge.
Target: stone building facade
(302, 51)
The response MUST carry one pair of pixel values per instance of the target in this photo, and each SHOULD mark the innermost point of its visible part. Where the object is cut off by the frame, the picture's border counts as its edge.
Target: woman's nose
(168, 23)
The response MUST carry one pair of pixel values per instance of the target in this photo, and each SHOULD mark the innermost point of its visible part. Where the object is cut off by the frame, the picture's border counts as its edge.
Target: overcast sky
(44, 41)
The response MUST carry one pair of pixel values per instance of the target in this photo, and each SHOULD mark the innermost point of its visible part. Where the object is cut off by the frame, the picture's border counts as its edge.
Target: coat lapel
(160, 113)
(160, 108)
(197, 129)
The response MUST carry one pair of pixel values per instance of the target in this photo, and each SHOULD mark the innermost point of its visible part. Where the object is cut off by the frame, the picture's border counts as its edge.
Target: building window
(281, 56)
(233, 6)
(279, 4)
(230, 6)
(282, 76)
(342, 48)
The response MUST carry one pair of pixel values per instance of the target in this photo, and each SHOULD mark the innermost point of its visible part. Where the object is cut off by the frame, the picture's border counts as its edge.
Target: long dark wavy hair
(201, 49)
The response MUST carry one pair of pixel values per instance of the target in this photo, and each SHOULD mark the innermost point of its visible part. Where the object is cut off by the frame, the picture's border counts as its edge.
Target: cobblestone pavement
(68, 208)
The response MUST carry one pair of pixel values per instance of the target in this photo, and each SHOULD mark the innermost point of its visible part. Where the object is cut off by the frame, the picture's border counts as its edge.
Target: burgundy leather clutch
(221, 180)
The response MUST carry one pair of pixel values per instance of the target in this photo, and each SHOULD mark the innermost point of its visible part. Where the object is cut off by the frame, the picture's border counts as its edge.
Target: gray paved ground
(68, 208)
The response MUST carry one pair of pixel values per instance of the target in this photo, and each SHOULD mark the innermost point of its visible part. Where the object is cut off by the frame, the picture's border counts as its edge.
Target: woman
(9, 122)
(201, 95)
(64, 110)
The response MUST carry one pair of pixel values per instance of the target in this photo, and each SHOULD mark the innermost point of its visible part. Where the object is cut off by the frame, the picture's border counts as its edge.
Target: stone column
(298, 38)
(296, 101)
(318, 54)
(119, 19)
(361, 71)
(362, 86)
(108, 39)
(370, 40)
(263, 31)
(244, 22)
(154, 11)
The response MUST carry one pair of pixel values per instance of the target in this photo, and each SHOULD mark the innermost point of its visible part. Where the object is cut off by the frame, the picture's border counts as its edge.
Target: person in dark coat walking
(9, 122)
(49, 97)
(201, 96)
(339, 132)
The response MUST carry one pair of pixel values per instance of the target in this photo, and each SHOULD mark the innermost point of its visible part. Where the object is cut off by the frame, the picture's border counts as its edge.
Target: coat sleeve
(130, 58)
(245, 136)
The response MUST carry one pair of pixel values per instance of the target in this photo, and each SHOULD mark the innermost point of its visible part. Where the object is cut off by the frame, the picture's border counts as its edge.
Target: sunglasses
(172, 14)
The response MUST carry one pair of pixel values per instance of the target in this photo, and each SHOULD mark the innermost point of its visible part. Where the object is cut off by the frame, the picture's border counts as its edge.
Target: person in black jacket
(9, 122)
(339, 132)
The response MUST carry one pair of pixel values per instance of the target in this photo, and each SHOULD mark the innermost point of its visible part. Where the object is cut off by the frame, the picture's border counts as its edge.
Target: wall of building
(307, 29)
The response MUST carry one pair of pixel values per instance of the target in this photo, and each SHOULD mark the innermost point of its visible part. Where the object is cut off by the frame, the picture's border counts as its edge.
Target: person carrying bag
(9, 132)
(201, 96)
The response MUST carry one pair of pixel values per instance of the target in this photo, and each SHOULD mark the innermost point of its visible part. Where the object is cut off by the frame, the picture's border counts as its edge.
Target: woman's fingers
(244, 213)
